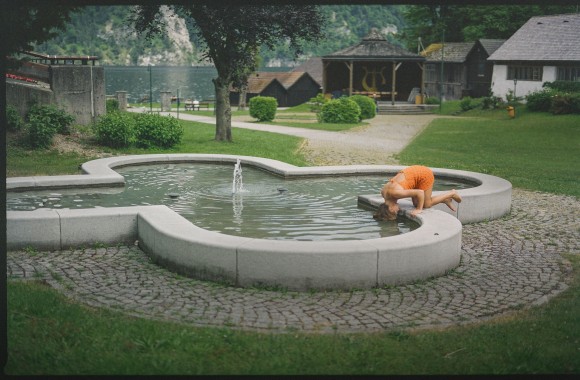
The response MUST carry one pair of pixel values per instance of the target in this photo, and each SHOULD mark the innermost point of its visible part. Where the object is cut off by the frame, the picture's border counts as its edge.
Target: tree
(469, 22)
(231, 37)
(26, 22)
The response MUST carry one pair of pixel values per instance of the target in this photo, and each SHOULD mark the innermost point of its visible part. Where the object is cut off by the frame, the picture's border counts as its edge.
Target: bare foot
(456, 197)
(449, 204)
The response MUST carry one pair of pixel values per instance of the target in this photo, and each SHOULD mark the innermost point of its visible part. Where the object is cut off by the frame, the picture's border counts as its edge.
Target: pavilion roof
(374, 47)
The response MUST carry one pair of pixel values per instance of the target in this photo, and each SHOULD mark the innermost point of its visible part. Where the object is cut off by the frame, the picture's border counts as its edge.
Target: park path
(376, 143)
(507, 264)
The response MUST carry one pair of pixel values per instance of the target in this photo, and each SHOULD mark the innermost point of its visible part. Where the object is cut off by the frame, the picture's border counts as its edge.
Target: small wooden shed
(466, 71)
(289, 88)
(374, 67)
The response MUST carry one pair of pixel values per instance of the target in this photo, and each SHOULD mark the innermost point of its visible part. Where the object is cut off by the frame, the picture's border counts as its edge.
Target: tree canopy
(231, 37)
(464, 23)
(24, 23)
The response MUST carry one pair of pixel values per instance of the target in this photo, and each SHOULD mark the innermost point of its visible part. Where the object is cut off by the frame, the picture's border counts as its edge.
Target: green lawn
(534, 151)
(49, 334)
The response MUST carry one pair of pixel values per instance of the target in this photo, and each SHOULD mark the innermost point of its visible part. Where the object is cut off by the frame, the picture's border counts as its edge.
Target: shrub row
(123, 129)
(554, 101)
(42, 123)
(344, 109)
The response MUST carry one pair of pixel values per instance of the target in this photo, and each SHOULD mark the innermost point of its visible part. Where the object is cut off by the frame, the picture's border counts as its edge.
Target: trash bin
(419, 99)
(511, 112)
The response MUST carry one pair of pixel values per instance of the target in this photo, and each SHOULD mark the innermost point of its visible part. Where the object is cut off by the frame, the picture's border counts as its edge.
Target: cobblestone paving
(506, 264)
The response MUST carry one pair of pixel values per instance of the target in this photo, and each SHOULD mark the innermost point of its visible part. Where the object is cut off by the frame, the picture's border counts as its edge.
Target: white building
(544, 49)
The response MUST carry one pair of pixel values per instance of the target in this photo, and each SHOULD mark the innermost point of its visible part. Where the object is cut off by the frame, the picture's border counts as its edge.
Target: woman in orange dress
(415, 182)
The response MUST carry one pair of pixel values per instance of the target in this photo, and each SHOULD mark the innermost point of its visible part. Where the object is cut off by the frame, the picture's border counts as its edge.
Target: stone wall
(78, 89)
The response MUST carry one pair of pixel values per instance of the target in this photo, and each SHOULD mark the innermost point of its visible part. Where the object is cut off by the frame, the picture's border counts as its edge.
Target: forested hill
(104, 31)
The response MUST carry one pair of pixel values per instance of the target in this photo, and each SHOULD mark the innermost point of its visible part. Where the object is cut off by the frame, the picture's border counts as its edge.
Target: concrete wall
(78, 89)
(22, 95)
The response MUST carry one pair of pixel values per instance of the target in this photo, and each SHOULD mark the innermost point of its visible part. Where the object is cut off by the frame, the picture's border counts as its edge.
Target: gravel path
(507, 264)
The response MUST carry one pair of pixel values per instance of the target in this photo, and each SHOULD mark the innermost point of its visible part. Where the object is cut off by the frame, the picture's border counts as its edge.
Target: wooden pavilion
(376, 68)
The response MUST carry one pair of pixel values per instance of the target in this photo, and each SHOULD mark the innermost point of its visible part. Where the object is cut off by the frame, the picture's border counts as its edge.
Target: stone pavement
(507, 264)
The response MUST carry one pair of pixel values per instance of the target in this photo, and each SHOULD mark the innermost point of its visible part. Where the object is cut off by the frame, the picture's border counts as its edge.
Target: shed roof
(543, 38)
(258, 81)
(491, 45)
(374, 47)
(313, 67)
(455, 52)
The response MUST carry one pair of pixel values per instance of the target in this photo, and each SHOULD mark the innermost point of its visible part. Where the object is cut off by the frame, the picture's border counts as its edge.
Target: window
(569, 74)
(531, 73)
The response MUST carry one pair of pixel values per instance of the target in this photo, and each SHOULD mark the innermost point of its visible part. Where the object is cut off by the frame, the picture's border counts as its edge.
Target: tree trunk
(223, 111)
(243, 96)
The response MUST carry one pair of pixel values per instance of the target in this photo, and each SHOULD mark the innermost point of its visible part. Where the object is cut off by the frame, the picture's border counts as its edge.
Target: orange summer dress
(417, 177)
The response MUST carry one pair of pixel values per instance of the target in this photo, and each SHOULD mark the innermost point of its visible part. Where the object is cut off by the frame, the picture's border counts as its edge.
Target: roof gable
(490, 45)
(543, 38)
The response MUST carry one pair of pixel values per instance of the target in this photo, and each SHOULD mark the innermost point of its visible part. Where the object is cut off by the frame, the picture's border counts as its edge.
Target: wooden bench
(195, 105)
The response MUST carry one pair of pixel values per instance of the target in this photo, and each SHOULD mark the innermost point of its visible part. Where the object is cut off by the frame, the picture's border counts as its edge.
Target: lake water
(193, 82)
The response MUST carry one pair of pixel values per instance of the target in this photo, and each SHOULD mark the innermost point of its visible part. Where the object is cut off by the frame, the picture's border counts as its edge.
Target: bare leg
(443, 198)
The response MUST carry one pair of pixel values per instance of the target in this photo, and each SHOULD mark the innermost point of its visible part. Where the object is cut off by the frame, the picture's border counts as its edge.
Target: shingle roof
(258, 81)
(313, 67)
(455, 52)
(543, 38)
(373, 47)
(491, 45)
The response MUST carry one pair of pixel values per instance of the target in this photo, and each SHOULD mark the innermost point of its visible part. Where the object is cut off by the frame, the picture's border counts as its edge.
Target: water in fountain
(237, 185)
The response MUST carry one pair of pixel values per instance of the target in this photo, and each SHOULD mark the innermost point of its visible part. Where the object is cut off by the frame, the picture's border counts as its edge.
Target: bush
(491, 102)
(563, 86)
(58, 118)
(14, 121)
(432, 100)
(540, 101)
(153, 130)
(317, 102)
(565, 104)
(263, 108)
(467, 104)
(116, 129)
(368, 107)
(342, 110)
(41, 131)
(112, 105)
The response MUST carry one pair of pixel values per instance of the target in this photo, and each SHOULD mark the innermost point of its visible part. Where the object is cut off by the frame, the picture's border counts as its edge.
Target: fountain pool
(324, 208)
(173, 241)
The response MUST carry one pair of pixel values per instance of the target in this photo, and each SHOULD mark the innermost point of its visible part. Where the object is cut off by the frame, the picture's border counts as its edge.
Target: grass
(197, 138)
(50, 335)
(536, 151)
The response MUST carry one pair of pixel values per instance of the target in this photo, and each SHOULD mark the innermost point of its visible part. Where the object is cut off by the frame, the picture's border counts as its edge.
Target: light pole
(179, 98)
(150, 91)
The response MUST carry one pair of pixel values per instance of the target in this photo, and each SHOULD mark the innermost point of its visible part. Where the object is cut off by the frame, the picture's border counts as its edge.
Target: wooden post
(324, 77)
(422, 68)
(393, 86)
(350, 66)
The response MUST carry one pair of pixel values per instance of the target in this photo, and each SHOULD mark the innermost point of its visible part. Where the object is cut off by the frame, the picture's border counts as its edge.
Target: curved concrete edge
(174, 242)
(491, 199)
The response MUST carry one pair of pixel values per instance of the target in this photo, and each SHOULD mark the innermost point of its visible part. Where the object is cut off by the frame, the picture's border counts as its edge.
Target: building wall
(501, 85)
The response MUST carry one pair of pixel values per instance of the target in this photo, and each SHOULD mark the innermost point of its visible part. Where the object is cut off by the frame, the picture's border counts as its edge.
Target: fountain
(178, 244)
(237, 185)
